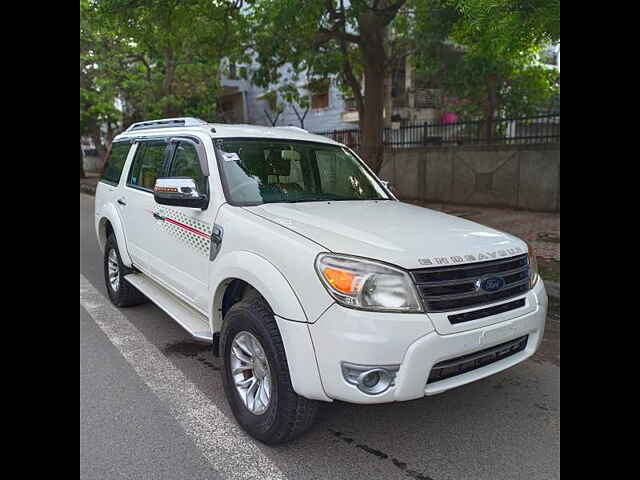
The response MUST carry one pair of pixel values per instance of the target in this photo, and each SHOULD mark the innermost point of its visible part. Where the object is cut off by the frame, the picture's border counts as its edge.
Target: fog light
(372, 380)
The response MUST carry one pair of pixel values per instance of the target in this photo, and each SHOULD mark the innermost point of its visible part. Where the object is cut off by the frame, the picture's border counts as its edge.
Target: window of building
(320, 100)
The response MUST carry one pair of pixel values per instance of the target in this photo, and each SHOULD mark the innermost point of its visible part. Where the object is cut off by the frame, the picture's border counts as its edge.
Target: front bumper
(410, 340)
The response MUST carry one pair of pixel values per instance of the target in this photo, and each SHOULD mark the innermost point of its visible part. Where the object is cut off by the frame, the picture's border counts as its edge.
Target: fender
(109, 212)
(289, 314)
(259, 273)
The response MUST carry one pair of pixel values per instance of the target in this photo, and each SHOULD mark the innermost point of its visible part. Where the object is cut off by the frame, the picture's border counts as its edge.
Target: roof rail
(291, 127)
(166, 123)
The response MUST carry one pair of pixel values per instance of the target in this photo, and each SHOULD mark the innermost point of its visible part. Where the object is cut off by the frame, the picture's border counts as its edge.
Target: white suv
(309, 278)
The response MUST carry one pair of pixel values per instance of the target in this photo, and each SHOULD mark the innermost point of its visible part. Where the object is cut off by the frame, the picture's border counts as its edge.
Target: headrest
(278, 165)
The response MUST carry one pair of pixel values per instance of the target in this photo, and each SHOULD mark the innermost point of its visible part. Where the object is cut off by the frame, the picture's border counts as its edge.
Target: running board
(187, 317)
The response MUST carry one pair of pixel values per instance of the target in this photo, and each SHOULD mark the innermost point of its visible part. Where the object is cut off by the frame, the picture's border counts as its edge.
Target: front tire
(256, 376)
(121, 293)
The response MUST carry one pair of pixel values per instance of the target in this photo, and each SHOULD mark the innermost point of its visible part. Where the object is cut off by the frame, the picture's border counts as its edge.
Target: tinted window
(186, 164)
(115, 162)
(147, 164)
(259, 171)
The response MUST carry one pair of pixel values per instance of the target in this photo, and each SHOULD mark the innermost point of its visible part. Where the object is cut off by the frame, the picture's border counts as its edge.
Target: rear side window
(186, 164)
(147, 164)
(115, 162)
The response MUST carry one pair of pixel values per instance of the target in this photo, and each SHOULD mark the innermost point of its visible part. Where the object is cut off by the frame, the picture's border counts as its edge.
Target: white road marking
(227, 448)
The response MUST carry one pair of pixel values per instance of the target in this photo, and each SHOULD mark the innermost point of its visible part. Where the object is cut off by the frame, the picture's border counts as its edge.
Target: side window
(115, 162)
(186, 164)
(147, 164)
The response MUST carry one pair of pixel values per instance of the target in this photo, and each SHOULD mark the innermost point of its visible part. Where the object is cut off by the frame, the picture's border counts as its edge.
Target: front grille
(454, 287)
(466, 363)
(485, 312)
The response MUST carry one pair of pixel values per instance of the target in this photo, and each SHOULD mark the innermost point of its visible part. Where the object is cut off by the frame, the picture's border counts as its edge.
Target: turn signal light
(340, 279)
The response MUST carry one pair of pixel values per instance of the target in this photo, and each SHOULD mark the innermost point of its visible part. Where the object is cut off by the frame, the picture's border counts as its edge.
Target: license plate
(496, 334)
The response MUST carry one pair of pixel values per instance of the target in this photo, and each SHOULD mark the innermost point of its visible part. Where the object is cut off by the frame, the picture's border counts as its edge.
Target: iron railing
(505, 131)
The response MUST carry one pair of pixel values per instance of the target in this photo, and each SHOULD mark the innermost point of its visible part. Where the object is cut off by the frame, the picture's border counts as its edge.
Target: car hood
(395, 232)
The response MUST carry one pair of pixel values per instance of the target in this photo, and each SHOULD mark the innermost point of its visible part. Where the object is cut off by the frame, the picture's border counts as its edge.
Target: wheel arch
(247, 270)
(236, 271)
(109, 221)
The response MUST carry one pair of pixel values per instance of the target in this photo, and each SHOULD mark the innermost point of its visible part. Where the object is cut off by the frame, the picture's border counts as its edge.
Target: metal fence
(507, 131)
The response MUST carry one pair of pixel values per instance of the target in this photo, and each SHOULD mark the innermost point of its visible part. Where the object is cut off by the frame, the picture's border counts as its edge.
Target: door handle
(121, 202)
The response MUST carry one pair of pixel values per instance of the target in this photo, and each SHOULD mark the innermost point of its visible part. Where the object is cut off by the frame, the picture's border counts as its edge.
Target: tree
(299, 97)
(334, 37)
(178, 45)
(274, 106)
(82, 174)
(493, 58)
(151, 58)
(98, 82)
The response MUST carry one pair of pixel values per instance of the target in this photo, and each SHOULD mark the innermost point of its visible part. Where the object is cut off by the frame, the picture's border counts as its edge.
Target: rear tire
(287, 415)
(121, 293)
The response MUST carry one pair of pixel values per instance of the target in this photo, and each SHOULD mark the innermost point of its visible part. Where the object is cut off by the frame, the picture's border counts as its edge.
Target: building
(242, 102)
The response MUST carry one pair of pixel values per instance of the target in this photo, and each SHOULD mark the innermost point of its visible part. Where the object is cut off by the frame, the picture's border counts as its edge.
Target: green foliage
(492, 62)
(154, 58)
(162, 57)
(97, 86)
(272, 100)
(293, 95)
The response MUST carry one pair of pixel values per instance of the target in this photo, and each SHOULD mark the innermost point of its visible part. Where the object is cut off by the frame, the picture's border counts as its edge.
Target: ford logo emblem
(490, 284)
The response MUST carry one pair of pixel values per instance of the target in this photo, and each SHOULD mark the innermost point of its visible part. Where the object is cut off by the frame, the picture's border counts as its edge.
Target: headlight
(533, 266)
(367, 284)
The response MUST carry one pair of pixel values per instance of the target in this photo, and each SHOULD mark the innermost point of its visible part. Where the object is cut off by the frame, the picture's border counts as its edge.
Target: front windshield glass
(260, 171)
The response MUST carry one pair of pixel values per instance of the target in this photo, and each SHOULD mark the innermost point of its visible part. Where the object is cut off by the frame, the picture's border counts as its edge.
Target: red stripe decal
(187, 227)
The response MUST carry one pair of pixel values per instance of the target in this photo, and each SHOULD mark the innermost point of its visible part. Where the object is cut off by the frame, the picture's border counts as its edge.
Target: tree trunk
(82, 174)
(372, 124)
(301, 117)
(97, 141)
(102, 149)
(375, 61)
(274, 120)
(388, 81)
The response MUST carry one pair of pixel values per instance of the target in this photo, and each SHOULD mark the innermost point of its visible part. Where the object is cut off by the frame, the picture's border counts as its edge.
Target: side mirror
(179, 192)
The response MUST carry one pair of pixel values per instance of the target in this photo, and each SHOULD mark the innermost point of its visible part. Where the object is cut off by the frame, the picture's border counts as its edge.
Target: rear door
(137, 205)
(108, 186)
(111, 184)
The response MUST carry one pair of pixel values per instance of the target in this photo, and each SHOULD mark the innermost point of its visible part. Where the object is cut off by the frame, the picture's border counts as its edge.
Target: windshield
(260, 171)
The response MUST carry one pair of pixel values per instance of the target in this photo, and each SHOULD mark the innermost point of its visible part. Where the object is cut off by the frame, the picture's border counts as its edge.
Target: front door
(185, 232)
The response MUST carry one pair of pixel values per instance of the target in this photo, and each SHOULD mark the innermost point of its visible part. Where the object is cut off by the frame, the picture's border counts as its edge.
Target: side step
(190, 319)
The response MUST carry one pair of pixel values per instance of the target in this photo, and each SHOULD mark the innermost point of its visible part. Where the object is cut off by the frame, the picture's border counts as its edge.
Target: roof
(224, 130)
(258, 131)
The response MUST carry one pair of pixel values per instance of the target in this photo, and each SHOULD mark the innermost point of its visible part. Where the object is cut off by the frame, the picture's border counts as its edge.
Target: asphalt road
(152, 406)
